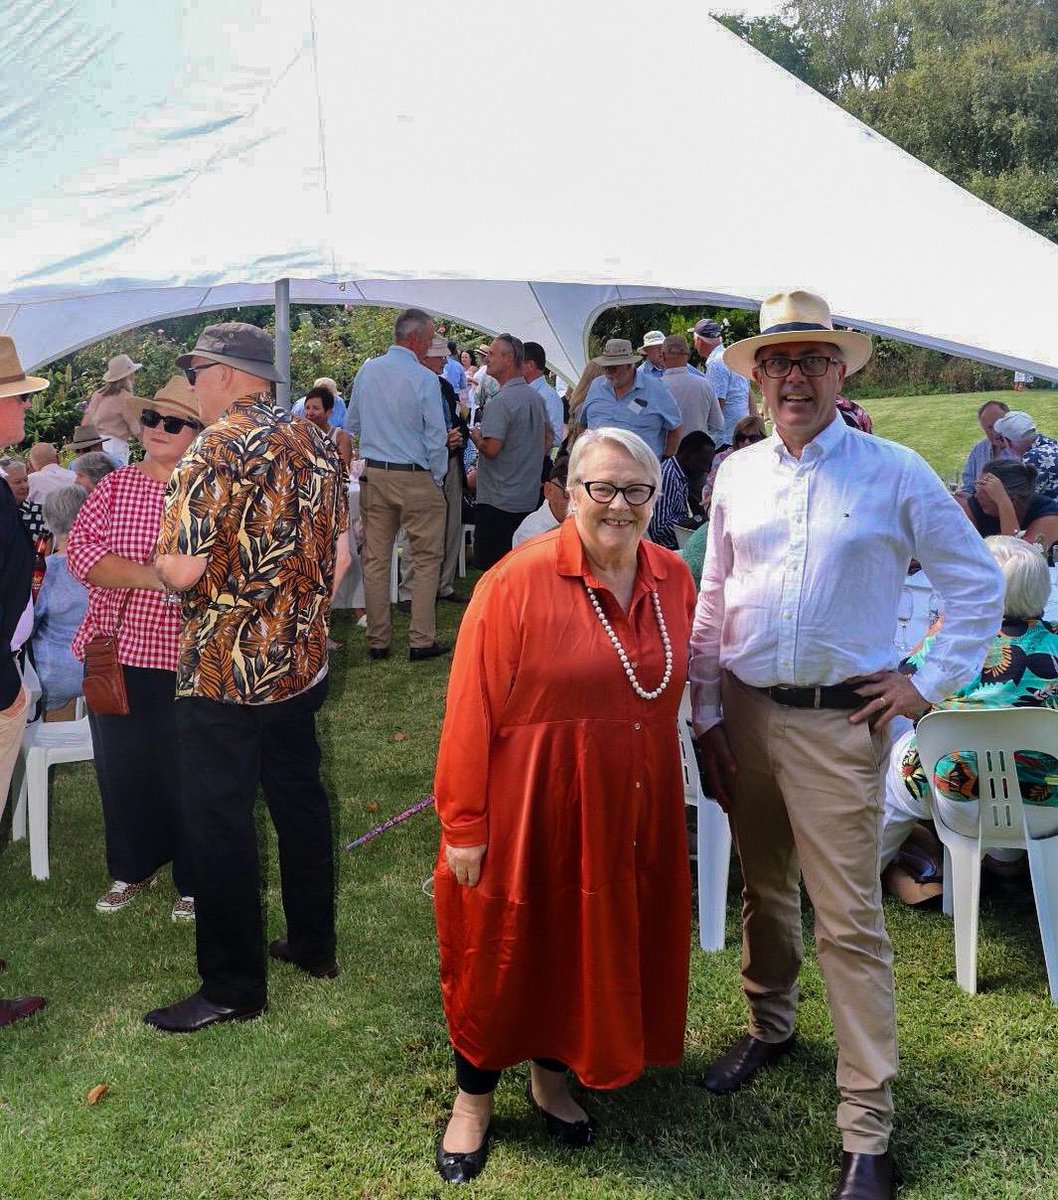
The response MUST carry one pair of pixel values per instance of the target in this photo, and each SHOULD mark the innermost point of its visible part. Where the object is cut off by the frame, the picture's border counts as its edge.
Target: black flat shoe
(378, 652)
(280, 949)
(420, 653)
(456, 1167)
(866, 1177)
(745, 1058)
(577, 1135)
(195, 1013)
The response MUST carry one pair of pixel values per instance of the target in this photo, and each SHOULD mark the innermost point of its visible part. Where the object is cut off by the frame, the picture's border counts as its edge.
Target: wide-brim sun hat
(13, 380)
(438, 348)
(174, 399)
(653, 337)
(120, 367)
(83, 437)
(236, 344)
(617, 352)
(798, 316)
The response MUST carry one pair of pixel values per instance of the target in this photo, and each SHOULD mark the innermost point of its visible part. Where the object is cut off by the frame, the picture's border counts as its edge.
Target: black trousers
(478, 1081)
(138, 769)
(493, 530)
(226, 750)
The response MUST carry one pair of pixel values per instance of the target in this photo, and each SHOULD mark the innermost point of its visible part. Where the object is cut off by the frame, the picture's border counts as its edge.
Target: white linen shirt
(805, 560)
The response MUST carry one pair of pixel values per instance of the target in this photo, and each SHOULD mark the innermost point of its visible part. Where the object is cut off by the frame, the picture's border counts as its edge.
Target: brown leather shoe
(24, 1006)
(742, 1062)
(866, 1177)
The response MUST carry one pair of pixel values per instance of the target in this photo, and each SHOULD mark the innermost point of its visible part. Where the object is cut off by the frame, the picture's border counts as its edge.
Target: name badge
(636, 406)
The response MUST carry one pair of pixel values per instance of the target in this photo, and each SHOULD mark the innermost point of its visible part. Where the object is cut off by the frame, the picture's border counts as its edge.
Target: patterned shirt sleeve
(201, 490)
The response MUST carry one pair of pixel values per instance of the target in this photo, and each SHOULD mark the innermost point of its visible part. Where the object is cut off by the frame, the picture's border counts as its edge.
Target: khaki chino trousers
(808, 803)
(388, 501)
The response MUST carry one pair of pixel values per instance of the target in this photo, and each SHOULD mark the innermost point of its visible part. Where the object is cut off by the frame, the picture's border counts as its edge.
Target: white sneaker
(184, 909)
(122, 894)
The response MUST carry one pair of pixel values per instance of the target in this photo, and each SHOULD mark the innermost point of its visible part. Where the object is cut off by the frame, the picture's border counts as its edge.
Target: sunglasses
(749, 437)
(151, 419)
(192, 373)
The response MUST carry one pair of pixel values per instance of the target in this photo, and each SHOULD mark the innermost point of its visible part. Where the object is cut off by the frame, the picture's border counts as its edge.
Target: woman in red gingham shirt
(111, 551)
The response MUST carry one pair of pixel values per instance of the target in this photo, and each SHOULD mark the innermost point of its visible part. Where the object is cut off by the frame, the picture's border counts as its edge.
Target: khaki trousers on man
(388, 501)
(12, 726)
(453, 492)
(808, 801)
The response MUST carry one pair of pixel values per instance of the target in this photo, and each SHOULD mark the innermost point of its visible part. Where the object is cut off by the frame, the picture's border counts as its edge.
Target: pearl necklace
(622, 654)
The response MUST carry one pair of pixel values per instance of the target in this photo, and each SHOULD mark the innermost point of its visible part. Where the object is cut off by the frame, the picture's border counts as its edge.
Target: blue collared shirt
(648, 409)
(672, 505)
(553, 405)
(454, 373)
(732, 390)
(397, 411)
(647, 370)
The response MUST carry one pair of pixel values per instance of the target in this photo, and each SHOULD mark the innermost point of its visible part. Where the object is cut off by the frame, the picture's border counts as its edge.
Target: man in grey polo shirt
(512, 439)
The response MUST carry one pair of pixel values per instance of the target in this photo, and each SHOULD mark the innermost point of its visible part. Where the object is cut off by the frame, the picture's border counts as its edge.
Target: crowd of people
(653, 519)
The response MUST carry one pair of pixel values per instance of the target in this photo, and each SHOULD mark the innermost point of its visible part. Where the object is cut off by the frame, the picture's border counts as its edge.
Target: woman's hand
(465, 862)
(991, 486)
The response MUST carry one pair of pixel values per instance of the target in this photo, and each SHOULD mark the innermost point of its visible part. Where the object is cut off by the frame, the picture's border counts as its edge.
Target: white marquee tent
(510, 167)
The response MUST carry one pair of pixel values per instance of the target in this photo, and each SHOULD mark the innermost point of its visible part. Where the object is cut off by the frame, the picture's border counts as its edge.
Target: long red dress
(575, 943)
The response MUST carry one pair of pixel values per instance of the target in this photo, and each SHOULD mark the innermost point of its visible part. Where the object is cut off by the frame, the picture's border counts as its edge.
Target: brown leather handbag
(104, 676)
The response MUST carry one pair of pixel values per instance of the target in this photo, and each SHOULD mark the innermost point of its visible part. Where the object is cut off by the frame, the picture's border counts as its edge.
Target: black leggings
(478, 1081)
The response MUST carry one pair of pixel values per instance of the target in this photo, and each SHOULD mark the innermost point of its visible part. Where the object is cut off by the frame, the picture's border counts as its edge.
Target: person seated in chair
(1019, 671)
(60, 606)
(1005, 500)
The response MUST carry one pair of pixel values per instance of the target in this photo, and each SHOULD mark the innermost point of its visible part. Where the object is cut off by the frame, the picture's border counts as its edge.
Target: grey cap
(707, 329)
(238, 345)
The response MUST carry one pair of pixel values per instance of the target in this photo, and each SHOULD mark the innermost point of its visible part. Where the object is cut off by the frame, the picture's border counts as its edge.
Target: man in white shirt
(694, 397)
(552, 512)
(793, 686)
(533, 372)
(45, 474)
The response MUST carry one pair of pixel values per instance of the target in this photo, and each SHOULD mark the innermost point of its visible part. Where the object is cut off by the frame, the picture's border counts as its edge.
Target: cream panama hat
(797, 317)
(174, 399)
(13, 380)
(654, 338)
(617, 352)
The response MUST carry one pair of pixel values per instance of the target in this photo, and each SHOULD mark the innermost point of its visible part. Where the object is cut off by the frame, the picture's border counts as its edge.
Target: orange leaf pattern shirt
(263, 497)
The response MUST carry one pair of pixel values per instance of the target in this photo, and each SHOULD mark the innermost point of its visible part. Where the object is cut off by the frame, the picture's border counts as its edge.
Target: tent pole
(283, 342)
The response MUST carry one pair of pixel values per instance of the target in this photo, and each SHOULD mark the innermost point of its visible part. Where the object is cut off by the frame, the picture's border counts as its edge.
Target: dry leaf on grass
(372, 807)
(97, 1093)
(400, 737)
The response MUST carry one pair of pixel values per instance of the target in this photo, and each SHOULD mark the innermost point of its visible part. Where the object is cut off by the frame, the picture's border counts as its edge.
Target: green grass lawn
(340, 1089)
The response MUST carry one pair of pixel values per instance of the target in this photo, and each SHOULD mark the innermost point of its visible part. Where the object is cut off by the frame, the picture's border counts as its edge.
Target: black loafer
(19, 1008)
(454, 598)
(745, 1058)
(577, 1135)
(419, 653)
(454, 1167)
(280, 949)
(378, 652)
(404, 606)
(195, 1013)
(866, 1177)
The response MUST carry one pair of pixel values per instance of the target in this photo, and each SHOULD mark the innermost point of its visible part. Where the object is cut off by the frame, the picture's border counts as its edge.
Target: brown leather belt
(839, 695)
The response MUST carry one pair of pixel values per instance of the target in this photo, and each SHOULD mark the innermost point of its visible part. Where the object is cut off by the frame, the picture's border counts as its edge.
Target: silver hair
(95, 464)
(1025, 574)
(631, 443)
(410, 323)
(62, 506)
(516, 346)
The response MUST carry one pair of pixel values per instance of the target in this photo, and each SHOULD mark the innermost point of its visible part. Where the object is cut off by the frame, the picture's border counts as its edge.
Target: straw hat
(85, 436)
(438, 348)
(120, 367)
(654, 338)
(797, 317)
(617, 353)
(176, 398)
(13, 380)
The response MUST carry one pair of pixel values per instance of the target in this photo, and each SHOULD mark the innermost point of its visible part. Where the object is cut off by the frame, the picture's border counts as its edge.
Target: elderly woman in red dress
(562, 890)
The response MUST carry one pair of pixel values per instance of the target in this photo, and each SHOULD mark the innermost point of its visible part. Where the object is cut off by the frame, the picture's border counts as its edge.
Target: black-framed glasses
(151, 419)
(749, 437)
(192, 373)
(602, 491)
(812, 365)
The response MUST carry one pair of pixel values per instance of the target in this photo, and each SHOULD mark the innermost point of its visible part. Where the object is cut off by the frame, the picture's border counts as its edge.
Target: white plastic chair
(44, 745)
(994, 735)
(714, 839)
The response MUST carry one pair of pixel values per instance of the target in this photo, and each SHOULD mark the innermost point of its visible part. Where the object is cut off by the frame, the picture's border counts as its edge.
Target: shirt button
(638, 784)
(637, 726)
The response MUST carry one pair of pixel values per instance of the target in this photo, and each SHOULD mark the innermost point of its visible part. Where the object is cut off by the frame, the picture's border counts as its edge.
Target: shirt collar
(395, 349)
(684, 370)
(572, 561)
(824, 444)
(515, 379)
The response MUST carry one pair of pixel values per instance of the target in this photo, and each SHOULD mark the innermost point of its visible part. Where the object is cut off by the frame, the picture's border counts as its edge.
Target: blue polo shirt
(648, 409)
